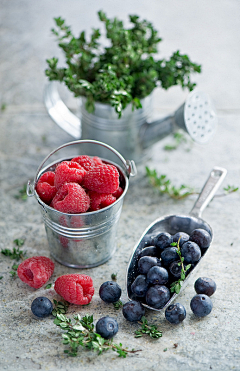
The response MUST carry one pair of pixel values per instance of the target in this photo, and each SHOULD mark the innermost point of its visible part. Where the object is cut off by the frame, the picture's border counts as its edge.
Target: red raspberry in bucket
(102, 179)
(100, 200)
(72, 199)
(118, 192)
(75, 288)
(68, 172)
(87, 162)
(45, 187)
(36, 271)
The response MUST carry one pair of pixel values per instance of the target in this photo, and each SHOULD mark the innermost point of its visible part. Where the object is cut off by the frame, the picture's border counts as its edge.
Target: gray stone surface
(209, 33)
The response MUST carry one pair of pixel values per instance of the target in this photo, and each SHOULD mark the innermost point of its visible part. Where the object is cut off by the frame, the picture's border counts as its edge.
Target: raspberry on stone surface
(75, 288)
(100, 200)
(102, 179)
(45, 187)
(35, 271)
(71, 198)
(68, 172)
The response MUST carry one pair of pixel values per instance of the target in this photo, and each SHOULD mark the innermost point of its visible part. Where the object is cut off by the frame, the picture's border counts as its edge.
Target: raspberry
(35, 271)
(118, 192)
(75, 288)
(71, 198)
(68, 172)
(87, 162)
(102, 179)
(100, 200)
(45, 187)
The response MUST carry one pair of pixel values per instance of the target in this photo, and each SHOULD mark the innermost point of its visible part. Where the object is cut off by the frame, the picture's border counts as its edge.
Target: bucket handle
(129, 165)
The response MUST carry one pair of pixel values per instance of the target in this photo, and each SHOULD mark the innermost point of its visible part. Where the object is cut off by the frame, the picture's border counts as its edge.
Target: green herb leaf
(48, 286)
(118, 304)
(146, 329)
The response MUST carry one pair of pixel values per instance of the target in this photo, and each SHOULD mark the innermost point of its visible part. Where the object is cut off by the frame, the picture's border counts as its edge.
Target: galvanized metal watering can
(132, 133)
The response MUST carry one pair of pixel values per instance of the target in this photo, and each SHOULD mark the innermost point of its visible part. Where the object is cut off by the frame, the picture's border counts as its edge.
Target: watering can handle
(59, 112)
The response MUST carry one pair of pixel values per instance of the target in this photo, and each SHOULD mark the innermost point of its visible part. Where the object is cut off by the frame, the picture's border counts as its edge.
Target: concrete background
(209, 33)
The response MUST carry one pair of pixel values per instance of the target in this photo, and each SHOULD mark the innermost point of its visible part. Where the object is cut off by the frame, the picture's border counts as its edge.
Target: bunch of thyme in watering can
(122, 73)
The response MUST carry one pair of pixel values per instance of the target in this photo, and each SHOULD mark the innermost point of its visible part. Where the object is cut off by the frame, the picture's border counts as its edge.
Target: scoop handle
(208, 191)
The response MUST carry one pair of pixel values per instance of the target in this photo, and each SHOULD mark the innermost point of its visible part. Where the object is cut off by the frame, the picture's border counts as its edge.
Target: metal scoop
(177, 223)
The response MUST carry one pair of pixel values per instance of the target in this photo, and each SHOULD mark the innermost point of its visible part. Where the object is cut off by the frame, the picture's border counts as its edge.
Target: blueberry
(147, 262)
(107, 327)
(205, 286)
(157, 275)
(184, 237)
(191, 252)
(175, 269)
(169, 255)
(110, 292)
(157, 296)
(147, 240)
(140, 285)
(133, 311)
(149, 251)
(41, 307)
(175, 313)
(201, 305)
(163, 240)
(201, 237)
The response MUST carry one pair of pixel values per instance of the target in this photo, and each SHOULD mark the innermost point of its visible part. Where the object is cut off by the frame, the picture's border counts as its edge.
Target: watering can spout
(132, 133)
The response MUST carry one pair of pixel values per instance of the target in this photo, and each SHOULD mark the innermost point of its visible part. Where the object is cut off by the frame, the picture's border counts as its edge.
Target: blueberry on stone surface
(184, 237)
(41, 307)
(157, 276)
(133, 311)
(140, 285)
(169, 255)
(201, 305)
(157, 296)
(201, 237)
(163, 240)
(110, 292)
(147, 262)
(206, 286)
(107, 327)
(191, 252)
(175, 313)
(149, 251)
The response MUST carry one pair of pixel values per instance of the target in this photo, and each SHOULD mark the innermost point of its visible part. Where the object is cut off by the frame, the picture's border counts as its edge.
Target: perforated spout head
(197, 117)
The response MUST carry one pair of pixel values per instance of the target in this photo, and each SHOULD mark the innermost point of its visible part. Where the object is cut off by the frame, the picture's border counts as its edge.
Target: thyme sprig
(118, 304)
(60, 307)
(80, 332)
(146, 329)
(165, 186)
(15, 254)
(176, 286)
(22, 194)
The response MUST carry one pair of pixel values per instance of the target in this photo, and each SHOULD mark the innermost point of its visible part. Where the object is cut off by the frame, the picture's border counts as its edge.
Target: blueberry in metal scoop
(140, 285)
(169, 255)
(147, 262)
(157, 296)
(191, 252)
(181, 237)
(201, 237)
(157, 275)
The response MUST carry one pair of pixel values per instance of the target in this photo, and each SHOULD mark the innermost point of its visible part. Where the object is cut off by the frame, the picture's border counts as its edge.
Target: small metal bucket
(83, 240)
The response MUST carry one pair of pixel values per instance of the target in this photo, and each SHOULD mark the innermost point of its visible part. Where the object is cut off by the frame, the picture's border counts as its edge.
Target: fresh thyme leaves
(178, 138)
(48, 286)
(22, 194)
(230, 189)
(60, 307)
(146, 329)
(80, 332)
(114, 276)
(15, 254)
(123, 72)
(176, 286)
(165, 186)
(118, 304)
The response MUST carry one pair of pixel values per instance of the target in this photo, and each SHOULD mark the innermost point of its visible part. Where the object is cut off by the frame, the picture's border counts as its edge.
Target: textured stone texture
(209, 33)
